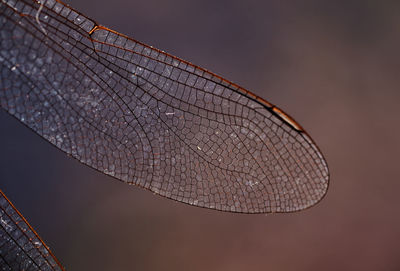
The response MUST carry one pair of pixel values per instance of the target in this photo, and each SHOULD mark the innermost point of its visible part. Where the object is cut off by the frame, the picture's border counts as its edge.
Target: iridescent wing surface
(20, 246)
(151, 119)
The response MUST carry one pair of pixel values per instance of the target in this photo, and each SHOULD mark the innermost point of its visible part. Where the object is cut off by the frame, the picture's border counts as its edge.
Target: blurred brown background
(333, 65)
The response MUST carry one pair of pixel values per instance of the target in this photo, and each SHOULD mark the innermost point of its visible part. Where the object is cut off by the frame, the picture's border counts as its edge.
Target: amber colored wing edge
(17, 229)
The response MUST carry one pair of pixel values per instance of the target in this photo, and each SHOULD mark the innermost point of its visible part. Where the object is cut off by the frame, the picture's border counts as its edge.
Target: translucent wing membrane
(148, 118)
(20, 246)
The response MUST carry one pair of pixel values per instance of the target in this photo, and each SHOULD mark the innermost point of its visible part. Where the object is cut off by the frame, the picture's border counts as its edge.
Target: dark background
(333, 65)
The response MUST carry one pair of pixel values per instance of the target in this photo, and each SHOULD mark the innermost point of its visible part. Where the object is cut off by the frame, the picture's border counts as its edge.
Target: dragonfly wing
(151, 119)
(20, 246)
